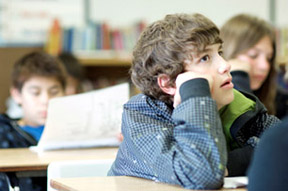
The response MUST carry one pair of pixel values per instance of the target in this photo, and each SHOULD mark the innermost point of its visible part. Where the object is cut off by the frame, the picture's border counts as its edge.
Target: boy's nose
(224, 66)
(45, 98)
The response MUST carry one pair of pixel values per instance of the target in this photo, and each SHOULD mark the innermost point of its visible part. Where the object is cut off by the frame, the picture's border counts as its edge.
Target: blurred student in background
(249, 46)
(269, 167)
(36, 78)
(76, 82)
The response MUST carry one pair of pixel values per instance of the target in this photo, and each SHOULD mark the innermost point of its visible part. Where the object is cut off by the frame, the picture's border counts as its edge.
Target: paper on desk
(85, 120)
(235, 182)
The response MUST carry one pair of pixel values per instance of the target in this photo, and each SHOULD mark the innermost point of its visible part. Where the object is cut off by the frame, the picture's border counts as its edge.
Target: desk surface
(120, 183)
(26, 160)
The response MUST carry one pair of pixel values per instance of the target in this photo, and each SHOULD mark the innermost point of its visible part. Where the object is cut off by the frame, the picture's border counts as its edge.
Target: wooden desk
(16, 160)
(120, 183)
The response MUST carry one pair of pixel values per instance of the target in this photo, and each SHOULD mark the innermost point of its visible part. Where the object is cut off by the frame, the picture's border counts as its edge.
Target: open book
(85, 120)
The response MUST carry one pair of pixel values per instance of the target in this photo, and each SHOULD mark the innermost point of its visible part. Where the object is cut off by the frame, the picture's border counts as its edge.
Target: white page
(85, 120)
(235, 182)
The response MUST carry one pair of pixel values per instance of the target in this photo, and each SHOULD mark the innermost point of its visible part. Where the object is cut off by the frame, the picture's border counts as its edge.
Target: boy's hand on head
(183, 77)
(239, 65)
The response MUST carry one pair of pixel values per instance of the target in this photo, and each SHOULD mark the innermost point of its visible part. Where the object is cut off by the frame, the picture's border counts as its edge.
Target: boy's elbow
(212, 184)
(207, 179)
(215, 183)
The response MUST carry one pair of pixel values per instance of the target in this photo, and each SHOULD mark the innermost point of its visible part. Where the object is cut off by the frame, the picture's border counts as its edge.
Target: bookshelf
(103, 72)
(98, 62)
(105, 67)
(99, 58)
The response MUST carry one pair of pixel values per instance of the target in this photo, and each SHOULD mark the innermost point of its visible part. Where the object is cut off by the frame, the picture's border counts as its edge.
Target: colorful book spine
(98, 36)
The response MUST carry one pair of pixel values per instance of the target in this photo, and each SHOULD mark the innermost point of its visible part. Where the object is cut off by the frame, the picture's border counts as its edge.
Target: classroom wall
(281, 13)
(124, 12)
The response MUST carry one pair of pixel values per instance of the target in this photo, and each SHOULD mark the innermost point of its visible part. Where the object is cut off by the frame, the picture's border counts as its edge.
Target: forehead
(209, 48)
(41, 82)
(265, 43)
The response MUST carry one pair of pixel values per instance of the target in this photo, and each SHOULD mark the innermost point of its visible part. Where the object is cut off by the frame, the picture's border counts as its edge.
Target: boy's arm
(240, 72)
(202, 117)
(241, 80)
(190, 150)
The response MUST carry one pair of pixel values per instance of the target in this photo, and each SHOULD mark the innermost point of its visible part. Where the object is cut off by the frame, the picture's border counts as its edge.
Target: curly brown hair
(241, 33)
(164, 46)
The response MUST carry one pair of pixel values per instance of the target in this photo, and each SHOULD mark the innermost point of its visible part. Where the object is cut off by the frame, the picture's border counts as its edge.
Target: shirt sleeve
(241, 81)
(187, 148)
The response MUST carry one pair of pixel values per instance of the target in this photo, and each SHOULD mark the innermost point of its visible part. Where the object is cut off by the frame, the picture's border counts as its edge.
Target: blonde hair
(241, 33)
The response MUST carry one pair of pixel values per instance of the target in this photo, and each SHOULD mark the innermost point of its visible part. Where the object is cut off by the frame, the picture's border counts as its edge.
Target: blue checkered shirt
(185, 146)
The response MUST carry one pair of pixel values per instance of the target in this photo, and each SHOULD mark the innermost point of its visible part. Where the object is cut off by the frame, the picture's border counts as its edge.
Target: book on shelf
(101, 36)
(91, 119)
(117, 41)
(106, 43)
(67, 39)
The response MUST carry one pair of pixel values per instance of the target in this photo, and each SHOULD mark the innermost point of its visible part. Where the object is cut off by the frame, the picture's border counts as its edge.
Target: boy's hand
(120, 137)
(240, 65)
(183, 77)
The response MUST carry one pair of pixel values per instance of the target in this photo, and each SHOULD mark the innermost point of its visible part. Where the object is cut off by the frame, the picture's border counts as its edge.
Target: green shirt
(231, 112)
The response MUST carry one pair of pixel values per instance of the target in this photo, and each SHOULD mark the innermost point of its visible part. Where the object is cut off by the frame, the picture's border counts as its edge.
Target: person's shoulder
(145, 103)
(6, 128)
(250, 96)
(279, 132)
(247, 106)
(259, 111)
(247, 94)
(7, 123)
(4, 118)
(141, 100)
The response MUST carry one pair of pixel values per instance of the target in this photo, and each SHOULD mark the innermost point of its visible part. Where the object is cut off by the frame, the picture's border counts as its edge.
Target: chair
(5, 183)
(83, 168)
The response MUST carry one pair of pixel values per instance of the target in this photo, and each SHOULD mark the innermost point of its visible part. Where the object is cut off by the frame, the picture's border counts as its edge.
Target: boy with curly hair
(179, 129)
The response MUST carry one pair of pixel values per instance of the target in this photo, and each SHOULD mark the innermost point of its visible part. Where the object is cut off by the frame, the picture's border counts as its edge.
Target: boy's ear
(163, 81)
(16, 95)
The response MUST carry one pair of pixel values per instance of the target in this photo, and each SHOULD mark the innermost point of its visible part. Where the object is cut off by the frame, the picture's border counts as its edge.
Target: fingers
(183, 77)
(120, 137)
(240, 65)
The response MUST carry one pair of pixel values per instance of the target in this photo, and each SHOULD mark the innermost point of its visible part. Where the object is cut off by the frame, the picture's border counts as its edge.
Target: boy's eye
(35, 92)
(220, 52)
(204, 58)
(54, 92)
